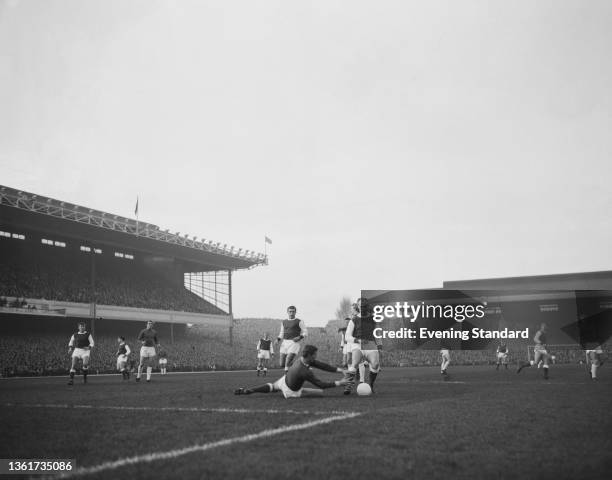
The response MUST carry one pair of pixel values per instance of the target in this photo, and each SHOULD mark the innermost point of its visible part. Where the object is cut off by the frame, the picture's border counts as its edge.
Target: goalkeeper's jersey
(299, 373)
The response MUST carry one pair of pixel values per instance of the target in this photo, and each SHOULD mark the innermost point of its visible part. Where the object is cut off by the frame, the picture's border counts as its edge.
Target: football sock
(72, 372)
(372, 378)
(523, 365)
(149, 370)
(362, 377)
(139, 371)
(266, 388)
(351, 381)
(593, 371)
(546, 371)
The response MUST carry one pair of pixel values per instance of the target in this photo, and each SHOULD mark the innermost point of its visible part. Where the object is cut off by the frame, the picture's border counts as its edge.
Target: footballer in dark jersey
(163, 361)
(265, 350)
(364, 346)
(502, 355)
(79, 348)
(148, 339)
(292, 383)
(123, 354)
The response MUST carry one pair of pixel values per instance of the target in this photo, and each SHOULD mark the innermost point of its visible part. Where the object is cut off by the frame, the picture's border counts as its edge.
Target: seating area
(65, 276)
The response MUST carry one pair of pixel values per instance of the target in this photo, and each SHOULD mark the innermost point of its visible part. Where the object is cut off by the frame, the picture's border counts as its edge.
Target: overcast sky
(380, 145)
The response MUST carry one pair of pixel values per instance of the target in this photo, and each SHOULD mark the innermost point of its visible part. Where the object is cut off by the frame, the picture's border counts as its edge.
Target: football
(364, 389)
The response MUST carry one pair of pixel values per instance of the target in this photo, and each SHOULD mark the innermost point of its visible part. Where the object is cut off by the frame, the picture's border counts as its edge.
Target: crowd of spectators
(16, 303)
(117, 282)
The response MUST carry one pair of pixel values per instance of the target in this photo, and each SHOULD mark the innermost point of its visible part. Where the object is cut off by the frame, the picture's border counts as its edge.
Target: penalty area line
(67, 406)
(172, 454)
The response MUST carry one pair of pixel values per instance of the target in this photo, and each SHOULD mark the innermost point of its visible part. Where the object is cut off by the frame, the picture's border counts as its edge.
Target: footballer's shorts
(289, 347)
(281, 386)
(81, 353)
(540, 353)
(263, 354)
(121, 361)
(369, 352)
(445, 352)
(163, 361)
(347, 348)
(147, 352)
(502, 356)
(595, 356)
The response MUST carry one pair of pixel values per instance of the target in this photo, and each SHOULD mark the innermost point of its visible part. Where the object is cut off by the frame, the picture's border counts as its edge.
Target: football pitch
(482, 423)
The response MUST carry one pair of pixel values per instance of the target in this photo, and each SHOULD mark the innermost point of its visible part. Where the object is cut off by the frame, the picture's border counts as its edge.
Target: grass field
(480, 424)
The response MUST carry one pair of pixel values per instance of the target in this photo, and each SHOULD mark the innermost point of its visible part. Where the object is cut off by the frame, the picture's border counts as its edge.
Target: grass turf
(481, 424)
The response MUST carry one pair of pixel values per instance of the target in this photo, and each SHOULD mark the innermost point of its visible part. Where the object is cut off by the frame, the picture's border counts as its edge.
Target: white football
(364, 389)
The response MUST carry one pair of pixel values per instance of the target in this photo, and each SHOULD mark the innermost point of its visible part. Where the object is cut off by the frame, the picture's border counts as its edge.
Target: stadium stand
(65, 276)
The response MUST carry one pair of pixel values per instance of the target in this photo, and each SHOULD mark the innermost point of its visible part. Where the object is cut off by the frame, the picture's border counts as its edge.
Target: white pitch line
(172, 454)
(434, 381)
(175, 409)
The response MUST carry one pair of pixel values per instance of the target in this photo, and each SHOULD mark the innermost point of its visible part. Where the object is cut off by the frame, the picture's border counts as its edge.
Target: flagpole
(266, 241)
(136, 212)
